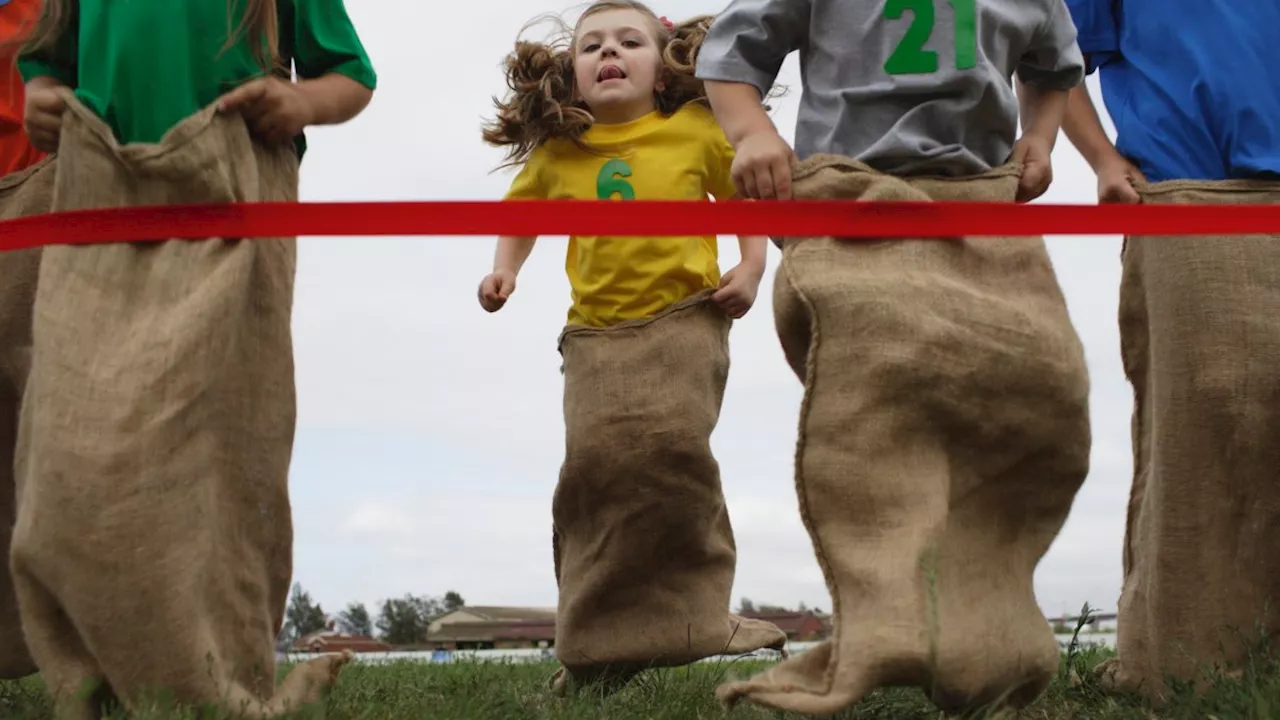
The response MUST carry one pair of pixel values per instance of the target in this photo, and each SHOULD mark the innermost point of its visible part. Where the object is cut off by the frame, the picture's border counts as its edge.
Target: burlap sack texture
(944, 434)
(643, 547)
(1200, 337)
(152, 547)
(28, 192)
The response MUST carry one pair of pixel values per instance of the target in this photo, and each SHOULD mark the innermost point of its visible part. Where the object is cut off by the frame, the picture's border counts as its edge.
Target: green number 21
(910, 57)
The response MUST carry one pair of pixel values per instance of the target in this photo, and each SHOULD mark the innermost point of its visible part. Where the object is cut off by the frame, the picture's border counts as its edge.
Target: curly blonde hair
(542, 103)
(258, 24)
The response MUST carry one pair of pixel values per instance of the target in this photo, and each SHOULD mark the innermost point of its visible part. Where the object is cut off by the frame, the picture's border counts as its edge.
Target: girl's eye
(631, 43)
(591, 48)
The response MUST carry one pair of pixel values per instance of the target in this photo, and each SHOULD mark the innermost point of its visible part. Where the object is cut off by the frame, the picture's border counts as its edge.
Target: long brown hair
(542, 103)
(258, 25)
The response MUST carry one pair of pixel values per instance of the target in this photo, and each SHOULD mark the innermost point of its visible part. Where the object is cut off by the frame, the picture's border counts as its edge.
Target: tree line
(400, 621)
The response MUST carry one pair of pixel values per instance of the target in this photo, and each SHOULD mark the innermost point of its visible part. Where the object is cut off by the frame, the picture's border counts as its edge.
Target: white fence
(1107, 639)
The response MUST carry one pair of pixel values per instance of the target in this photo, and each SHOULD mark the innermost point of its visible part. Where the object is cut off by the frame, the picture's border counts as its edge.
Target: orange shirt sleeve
(18, 20)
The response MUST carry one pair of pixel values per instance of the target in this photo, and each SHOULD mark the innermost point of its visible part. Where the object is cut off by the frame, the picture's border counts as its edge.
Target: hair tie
(670, 26)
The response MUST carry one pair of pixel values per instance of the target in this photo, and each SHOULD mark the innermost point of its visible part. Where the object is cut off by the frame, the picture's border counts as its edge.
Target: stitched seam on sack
(816, 163)
(806, 404)
(16, 179)
(1212, 187)
(187, 131)
(693, 301)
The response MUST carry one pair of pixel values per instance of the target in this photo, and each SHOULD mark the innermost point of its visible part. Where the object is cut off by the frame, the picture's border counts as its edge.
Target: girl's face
(616, 61)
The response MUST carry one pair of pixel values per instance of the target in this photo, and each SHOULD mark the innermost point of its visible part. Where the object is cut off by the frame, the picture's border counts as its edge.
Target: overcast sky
(430, 433)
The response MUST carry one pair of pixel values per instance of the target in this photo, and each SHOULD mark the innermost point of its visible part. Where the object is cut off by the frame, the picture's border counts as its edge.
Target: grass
(493, 691)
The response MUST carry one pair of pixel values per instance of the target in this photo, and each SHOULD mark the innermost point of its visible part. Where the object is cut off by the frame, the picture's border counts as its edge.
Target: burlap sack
(644, 551)
(944, 434)
(1200, 337)
(22, 193)
(153, 541)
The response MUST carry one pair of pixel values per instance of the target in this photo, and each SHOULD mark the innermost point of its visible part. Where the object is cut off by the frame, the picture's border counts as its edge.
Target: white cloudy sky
(430, 433)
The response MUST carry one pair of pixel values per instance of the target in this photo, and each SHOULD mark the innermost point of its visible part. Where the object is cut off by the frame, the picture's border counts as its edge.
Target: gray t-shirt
(906, 86)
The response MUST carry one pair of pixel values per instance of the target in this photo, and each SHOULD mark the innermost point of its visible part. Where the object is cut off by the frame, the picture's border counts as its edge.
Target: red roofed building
(487, 627)
(330, 641)
(799, 626)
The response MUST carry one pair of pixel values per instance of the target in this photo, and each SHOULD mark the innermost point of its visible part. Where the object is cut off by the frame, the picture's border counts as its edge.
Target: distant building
(508, 628)
(488, 627)
(1099, 623)
(800, 626)
(330, 640)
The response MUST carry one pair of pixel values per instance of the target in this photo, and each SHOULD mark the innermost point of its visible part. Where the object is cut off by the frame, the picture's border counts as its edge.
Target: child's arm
(512, 252)
(739, 286)
(334, 98)
(1084, 129)
(508, 259)
(762, 163)
(336, 80)
(1051, 67)
(753, 250)
(46, 71)
(1042, 110)
(739, 61)
(42, 112)
(739, 110)
(1116, 175)
(278, 110)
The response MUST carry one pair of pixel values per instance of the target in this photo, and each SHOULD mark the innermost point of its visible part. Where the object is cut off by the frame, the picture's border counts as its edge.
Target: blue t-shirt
(1193, 86)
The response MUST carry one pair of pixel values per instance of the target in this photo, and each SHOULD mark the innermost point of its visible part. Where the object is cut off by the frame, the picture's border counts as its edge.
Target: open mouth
(610, 72)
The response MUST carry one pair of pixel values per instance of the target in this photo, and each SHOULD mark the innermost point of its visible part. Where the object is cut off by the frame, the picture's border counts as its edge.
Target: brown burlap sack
(153, 541)
(1200, 337)
(644, 551)
(22, 193)
(944, 434)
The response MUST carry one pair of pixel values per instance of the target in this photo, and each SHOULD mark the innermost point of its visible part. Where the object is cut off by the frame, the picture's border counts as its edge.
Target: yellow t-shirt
(684, 156)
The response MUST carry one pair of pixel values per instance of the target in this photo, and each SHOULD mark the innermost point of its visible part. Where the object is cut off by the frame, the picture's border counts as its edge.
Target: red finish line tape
(798, 218)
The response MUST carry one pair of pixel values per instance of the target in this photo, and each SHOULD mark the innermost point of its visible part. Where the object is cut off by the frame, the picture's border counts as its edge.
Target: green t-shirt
(144, 65)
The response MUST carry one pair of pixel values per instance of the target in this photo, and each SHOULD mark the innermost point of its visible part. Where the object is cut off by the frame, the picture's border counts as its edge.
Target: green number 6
(611, 181)
(910, 57)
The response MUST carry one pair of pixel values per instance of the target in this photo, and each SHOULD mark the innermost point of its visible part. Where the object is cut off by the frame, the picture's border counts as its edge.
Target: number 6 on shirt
(910, 57)
(612, 181)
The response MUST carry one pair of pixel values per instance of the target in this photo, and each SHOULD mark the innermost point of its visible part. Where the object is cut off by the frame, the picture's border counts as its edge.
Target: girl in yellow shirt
(620, 116)
(644, 553)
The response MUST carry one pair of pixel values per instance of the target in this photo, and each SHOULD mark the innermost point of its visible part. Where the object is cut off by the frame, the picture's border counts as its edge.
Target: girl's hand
(1037, 171)
(42, 114)
(274, 108)
(495, 289)
(762, 166)
(1116, 178)
(738, 289)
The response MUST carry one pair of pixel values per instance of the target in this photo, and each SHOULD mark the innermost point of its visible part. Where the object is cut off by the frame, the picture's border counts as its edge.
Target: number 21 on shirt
(910, 57)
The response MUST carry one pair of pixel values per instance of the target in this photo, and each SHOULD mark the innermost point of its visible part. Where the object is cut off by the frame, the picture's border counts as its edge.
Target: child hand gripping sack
(643, 547)
(944, 430)
(153, 542)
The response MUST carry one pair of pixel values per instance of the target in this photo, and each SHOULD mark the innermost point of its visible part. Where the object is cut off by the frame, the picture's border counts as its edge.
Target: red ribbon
(798, 218)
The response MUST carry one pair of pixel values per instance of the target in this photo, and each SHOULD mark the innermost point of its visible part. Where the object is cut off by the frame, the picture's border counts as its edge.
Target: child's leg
(644, 549)
(154, 534)
(18, 272)
(1200, 333)
(21, 194)
(943, 437)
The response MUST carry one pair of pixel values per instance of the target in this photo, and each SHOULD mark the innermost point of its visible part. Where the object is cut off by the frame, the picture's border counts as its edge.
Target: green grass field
(489, 691)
